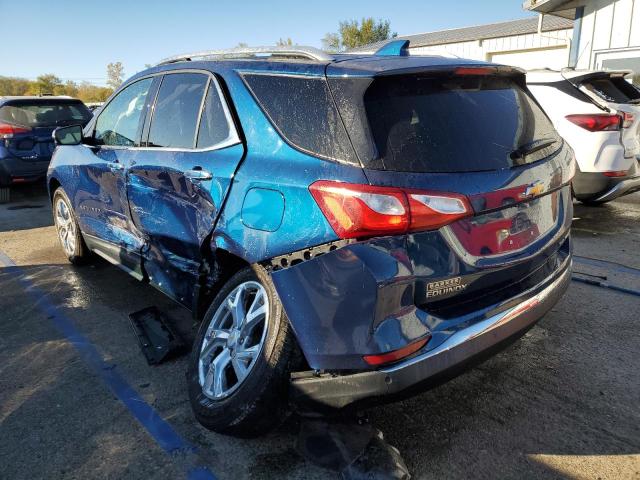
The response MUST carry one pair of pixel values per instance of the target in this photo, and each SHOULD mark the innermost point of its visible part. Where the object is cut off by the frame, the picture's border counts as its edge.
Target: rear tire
(68, 229)
(5, 194)
(250, 399)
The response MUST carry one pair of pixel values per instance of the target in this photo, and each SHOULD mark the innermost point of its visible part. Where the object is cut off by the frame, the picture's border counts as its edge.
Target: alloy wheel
(233, 340)
(66, 226)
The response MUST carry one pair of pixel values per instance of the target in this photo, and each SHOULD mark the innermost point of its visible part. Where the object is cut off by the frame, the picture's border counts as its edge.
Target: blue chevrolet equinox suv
(349, 229)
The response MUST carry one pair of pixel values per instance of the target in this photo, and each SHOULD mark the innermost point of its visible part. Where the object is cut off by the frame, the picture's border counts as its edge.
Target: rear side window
(452, 124)
(616, 90)
(119, 122)
(214, 124)
(38, 113)
(175, 116)
(302, 110)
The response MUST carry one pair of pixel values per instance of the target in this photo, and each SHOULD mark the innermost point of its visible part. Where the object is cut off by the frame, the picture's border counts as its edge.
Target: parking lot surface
(78, 400)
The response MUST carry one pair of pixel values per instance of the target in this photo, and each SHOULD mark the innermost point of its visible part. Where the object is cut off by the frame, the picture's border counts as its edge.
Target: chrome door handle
(198, 174)
(114, 166)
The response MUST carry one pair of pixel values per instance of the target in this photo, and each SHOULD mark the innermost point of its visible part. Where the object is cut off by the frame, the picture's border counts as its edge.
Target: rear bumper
(17, 170)
(462, 349)
(596, 187)
(621, 188)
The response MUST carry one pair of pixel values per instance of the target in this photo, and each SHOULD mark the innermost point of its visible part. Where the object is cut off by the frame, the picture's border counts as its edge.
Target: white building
(606, 33)
(523, 43)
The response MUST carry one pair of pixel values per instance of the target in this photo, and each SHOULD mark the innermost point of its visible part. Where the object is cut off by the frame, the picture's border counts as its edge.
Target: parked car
(26, 124)
(598, 114)
(305, 207)
(94, 107)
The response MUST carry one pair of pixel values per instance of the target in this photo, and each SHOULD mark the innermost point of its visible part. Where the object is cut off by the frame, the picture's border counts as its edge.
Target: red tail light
(616, 173)
(599, 122)
(394, 356)
(8, 130)
(358, 211)
(474, 71)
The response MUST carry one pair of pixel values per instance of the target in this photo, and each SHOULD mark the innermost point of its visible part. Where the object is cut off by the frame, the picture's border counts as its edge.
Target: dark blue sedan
(26, 124)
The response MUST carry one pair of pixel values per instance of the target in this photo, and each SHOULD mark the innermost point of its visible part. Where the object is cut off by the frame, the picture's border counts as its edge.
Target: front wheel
(68, 229)
(242, 357)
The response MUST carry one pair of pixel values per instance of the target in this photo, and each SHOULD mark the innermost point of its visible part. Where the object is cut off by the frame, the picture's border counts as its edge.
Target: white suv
(598, 114)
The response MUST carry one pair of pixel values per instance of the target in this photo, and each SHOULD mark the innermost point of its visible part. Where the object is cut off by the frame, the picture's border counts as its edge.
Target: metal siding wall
(621, 23)
(527, 44)
(586, 37)
(604, 21)
(634, 31)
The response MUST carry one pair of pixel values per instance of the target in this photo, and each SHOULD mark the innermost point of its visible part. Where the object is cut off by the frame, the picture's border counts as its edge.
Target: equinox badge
(443, 287)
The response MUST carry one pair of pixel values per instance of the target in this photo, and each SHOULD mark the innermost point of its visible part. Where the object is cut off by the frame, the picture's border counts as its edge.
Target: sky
(76, 40)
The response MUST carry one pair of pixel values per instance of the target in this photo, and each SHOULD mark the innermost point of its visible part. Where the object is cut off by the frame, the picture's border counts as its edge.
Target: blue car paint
(263, 209)
(356, 300)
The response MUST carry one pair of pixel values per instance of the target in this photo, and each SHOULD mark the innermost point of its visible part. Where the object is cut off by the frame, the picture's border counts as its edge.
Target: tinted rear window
(45, 114)
(452, 124)
(302, 109)
(616, 90)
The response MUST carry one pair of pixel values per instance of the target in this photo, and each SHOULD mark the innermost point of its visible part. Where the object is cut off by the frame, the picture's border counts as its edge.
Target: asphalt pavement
(78, 399)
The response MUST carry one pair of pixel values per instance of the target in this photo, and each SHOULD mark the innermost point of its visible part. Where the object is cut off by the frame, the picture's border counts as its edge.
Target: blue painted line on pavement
(163, 434)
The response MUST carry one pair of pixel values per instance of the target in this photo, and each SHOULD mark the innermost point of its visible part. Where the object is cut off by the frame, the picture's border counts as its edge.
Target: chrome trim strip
(487, 325)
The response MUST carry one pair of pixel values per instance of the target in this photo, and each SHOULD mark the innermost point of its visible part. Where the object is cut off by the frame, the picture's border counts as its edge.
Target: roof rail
(293, 51)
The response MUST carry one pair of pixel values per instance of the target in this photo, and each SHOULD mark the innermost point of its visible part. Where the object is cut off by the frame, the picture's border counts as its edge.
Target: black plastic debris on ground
(158, 341)
(356, 451)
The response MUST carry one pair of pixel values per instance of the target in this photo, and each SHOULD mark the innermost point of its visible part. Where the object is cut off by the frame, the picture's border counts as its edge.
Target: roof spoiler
(396, 48)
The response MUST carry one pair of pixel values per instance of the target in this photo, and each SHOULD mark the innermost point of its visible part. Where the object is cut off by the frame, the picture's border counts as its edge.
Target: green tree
(47, 84)
(115, 74)
(242, 45)
(352, 33)
(14, 86)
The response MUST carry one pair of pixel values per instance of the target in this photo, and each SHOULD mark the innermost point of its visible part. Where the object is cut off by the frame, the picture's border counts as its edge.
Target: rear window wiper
(531, 147)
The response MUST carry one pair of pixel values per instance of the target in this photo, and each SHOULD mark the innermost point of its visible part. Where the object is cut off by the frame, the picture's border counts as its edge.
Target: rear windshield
(45, 114)
(453, 124)
(616, 90)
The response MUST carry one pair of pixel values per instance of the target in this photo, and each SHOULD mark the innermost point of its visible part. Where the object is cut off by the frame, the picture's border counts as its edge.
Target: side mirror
(71, 135)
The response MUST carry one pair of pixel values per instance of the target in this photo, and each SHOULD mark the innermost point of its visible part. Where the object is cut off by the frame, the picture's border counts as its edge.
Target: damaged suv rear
(370, 226)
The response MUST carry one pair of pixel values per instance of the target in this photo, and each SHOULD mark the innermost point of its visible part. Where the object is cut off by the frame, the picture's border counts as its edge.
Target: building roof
(480, 32)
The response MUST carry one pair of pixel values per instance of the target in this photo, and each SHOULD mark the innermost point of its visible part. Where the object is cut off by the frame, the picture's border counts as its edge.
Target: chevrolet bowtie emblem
(533, 190)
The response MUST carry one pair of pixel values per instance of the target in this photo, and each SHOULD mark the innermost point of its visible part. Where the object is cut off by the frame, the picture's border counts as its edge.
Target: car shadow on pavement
(29, 208)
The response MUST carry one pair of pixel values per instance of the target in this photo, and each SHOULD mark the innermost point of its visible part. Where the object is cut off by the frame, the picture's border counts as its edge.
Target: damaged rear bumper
(461, 350)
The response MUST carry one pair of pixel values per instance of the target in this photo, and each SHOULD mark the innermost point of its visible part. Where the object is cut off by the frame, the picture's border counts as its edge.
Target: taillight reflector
(616, 173)
(360, 211)
(599, 122)
(395, 355)
(8, 130)
(627, 119)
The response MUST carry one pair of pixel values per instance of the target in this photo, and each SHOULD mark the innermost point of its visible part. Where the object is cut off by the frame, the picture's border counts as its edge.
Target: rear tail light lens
(396, 355)
(8, 130)
(627, 119)
(596, 122)
(360, 211)
(616, 173)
